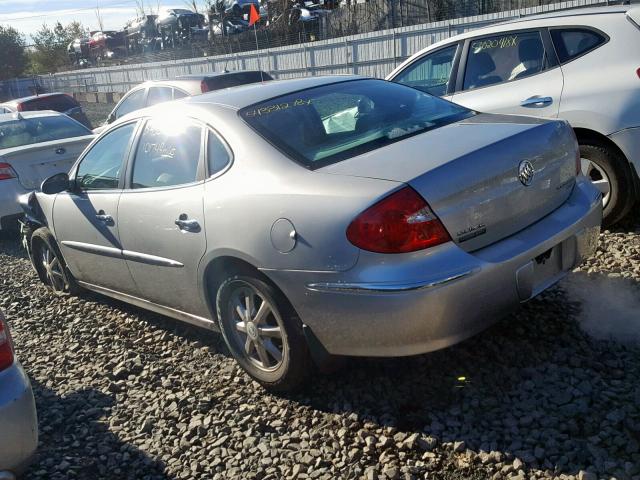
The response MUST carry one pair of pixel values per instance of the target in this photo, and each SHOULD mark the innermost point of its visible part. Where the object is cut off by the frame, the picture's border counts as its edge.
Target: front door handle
(537, 101)
(187, 224)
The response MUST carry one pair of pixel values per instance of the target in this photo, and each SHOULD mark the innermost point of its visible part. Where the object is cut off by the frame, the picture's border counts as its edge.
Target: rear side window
(501, 58)
(179, 94)
(330, 123)
(571, 43)
(168, 154)
(218, 155)
(235, 79)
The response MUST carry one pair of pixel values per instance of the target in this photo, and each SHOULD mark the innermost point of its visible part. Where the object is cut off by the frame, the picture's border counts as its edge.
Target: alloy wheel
(598, 177)
(53, 269)
(259, 330)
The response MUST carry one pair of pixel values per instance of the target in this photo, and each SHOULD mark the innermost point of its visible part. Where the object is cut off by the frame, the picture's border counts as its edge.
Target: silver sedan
(18, 419)
(316, 217)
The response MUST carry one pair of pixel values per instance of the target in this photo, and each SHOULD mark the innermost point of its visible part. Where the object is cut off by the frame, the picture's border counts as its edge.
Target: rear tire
(50, 265)
(263, 333)
(609, 173)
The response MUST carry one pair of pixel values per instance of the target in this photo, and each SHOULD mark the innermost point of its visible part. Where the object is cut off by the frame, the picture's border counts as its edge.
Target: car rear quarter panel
(242, 205)
(602, 89)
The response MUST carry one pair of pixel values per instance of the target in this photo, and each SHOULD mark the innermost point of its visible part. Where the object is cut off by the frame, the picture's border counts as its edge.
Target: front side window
(168, 154)
(333, 122)
(179, 94)
(501, 58)
(159, 95)
(573, 42)
(27, 131)
(100, 168)
(135, 101)
(430, 73)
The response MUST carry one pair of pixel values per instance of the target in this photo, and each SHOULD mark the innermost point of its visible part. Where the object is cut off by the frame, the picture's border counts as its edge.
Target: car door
(161, 214)
(85, 218)
(512, 72)
(433, 73)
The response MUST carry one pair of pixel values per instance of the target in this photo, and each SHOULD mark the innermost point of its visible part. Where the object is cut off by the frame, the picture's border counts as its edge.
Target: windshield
(16, 133)
(330, 123)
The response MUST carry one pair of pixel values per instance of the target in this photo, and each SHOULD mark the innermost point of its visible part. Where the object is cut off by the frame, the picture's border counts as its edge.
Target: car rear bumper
(18, 420)
(10, 209)
(405, 304)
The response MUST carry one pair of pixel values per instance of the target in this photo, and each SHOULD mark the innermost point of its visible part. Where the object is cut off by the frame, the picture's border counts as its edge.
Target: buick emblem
(526, 172)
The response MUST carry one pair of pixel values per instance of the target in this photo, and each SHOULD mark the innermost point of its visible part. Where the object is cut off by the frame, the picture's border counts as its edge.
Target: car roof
(11, 117)
(245, 95)
(15, 101)
(202, 76)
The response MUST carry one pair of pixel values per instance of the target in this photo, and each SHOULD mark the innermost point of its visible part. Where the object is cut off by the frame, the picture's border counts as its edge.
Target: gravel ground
(123, 393)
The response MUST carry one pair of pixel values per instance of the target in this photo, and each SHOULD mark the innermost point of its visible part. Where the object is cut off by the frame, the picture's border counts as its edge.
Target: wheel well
(222, 268)
(584, 135)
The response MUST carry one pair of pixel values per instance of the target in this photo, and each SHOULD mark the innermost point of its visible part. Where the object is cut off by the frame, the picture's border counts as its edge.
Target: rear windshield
(235, 79)
(327, 124)
(16, 133)
(58, 103)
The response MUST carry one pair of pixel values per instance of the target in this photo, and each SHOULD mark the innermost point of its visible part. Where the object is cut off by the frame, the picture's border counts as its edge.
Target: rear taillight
(6, 346)
(400, 223)
(638, 72)
(20, 107)
(6, 171)
(203, 86)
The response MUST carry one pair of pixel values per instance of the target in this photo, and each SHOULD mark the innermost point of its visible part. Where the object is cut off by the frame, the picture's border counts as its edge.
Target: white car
(578, 65)
(34, 146)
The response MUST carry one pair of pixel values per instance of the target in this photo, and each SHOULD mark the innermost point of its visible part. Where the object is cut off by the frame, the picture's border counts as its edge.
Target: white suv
(578, 65)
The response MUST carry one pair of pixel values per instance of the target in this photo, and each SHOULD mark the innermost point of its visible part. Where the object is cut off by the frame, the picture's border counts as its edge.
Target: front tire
(263, 333)
(50, 265)
(610, 174)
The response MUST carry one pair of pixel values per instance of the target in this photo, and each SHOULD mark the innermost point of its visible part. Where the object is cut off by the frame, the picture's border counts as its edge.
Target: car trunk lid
(468, 172)
(34, 163)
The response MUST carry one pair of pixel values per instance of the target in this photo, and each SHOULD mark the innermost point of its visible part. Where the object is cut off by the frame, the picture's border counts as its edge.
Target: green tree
(12, 56)
(50, 47)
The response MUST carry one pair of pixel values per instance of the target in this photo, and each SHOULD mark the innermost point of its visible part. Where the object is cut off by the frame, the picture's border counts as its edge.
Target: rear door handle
(187, 225)
(103, 217)
(537, 101)
(61, 150)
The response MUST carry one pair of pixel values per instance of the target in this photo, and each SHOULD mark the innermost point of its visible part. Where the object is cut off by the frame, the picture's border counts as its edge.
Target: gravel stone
(125, 393)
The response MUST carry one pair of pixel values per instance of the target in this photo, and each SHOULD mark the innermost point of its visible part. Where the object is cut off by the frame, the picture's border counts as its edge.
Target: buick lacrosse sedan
(319, 216)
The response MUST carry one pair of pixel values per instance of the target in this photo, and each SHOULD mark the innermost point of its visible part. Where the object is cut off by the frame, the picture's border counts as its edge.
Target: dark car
(153, 92)
(178, 20)
(103, 42)
(58, 102)
(144, 27)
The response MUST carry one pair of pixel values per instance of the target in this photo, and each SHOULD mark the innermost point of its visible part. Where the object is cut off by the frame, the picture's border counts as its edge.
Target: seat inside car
(531, 54)
(479, 70)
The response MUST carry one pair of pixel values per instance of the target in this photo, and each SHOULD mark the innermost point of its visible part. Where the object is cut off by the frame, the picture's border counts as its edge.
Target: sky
(27, 16)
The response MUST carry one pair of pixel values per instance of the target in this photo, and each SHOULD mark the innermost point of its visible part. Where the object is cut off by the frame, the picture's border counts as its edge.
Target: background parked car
(304, 216)
(18, 417)
(157, 91)
(34, 146)
(578, 65)
(177, 23)
(58, 102)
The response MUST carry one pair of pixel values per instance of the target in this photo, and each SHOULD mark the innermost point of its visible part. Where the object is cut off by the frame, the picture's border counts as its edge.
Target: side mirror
(55, 184)
(111, 118)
